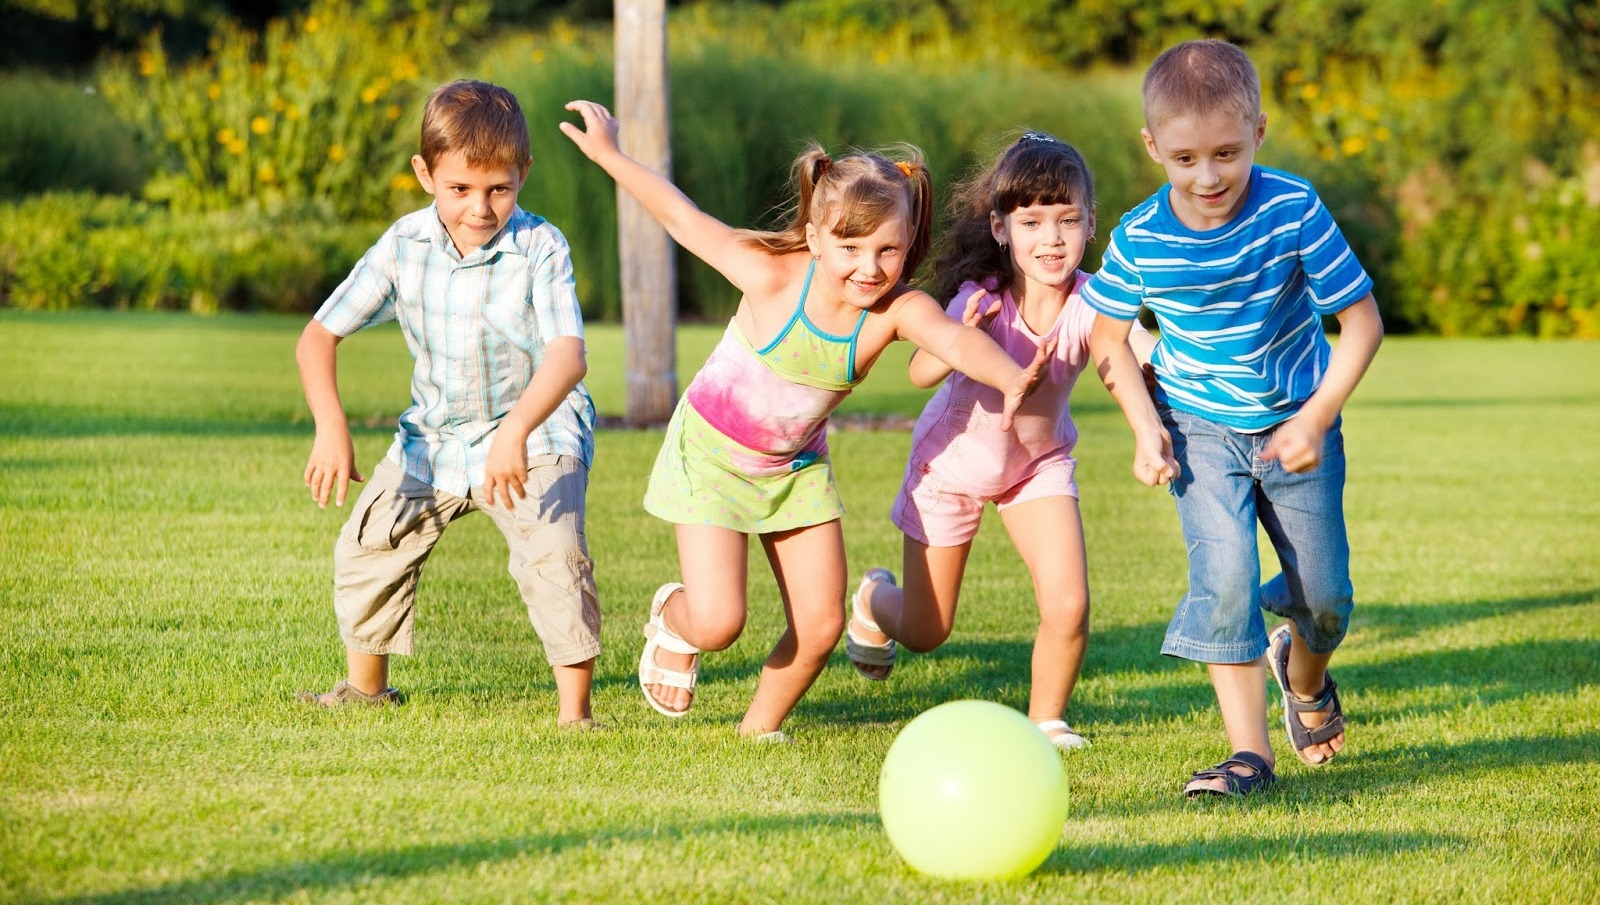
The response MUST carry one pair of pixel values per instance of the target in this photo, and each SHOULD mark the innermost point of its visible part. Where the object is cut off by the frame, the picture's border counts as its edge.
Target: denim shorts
(1222, 489)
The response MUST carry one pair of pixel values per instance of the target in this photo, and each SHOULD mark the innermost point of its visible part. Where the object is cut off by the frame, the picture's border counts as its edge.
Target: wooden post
(649, 281)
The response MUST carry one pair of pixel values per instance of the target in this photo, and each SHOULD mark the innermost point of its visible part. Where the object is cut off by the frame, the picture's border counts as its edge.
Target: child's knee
(923, 638)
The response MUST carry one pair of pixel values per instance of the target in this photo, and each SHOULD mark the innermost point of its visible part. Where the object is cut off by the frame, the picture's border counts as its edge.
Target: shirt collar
(504, 241)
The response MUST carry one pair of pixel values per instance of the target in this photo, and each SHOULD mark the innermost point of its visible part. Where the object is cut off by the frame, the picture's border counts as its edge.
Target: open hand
(506, 472)
(975, 313)
(330, 468)
(598, 136)
(1027, 382)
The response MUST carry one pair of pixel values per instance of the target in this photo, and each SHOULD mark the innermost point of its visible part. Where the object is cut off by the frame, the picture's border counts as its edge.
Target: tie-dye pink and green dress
(747, 447)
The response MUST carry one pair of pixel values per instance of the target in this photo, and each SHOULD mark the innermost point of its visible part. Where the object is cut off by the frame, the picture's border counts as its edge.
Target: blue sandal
(1239, 785)
(1301, 736)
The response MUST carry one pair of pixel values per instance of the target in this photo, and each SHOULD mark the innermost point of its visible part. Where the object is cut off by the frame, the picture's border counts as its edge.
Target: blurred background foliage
(217, 154)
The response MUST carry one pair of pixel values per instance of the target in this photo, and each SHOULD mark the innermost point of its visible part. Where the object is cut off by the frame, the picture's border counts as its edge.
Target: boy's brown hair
(482, 121)
(1201, 77)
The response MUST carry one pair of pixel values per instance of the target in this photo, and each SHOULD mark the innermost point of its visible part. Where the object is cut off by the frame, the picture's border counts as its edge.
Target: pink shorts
(933, 510)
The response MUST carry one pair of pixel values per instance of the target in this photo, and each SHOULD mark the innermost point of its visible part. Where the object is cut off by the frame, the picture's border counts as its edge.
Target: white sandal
(1061, 735)
(659, 637)
(863, 653)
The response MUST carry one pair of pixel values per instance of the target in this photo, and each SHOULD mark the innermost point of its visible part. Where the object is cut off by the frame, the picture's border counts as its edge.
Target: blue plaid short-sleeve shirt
(477, 327)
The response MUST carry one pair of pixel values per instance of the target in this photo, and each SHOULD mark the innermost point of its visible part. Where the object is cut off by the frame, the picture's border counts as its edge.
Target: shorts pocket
(392, 517)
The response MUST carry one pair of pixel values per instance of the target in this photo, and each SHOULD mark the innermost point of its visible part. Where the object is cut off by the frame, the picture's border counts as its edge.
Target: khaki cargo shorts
(396, 522)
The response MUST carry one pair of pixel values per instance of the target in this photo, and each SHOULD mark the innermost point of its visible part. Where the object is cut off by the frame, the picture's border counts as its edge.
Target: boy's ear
(420, 167)
(1150, 145)
(1261, 130)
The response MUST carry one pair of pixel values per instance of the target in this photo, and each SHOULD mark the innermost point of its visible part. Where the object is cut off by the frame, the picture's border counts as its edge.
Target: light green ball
(973, 790)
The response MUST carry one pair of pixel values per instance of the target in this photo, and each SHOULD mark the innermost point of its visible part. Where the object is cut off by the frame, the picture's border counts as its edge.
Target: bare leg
(1048, 533)
(809, 566)
(573, 683)
(1241, 695)
(369, 673)
(710, 612)
(921, 613)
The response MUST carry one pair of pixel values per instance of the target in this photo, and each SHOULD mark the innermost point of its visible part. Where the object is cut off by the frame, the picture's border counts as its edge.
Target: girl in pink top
(1010, 266)
(746, 453)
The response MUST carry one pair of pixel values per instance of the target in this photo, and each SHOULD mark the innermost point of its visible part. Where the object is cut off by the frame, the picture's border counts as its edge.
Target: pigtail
(916, 173)
(808, 171)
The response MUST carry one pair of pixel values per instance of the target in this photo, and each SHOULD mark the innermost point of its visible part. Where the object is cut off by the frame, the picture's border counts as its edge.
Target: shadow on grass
(1265, 849)
(350, 871)
(998, 670)
(64, 422)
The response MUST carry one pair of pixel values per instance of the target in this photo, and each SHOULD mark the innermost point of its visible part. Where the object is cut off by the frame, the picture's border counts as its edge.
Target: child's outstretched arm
(1118, 367)
(918, 318)
(1297, 443)
(925, 369)
(564, 364)
(703, 235)
(332, 465)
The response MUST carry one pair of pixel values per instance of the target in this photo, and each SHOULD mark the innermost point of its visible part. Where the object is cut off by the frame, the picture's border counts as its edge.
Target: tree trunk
(649, 282)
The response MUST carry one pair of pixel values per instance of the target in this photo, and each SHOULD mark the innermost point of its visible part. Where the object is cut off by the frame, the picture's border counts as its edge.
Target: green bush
(61, 251)
(321, 107)
(57, 135)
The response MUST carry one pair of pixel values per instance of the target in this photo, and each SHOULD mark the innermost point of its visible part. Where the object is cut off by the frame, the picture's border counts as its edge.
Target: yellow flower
(236, 147)
(369, 95)
(292, 113)
(538, 56)
(277, 104)
(225, 136)
(1310, 91)
(401, 182)
(337, 153)
(1353, 145)
(147, 63)
(1382, 133)
(267, 173)
(312, 24)
(261, 125)
(213, 91)
(393, 112)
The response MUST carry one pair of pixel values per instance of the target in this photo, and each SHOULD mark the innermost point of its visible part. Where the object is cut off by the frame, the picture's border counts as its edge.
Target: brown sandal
(345, 694)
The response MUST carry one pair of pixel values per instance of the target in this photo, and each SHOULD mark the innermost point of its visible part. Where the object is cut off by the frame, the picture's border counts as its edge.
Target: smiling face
(858, 270)
(1207, 159)
(1046, 242)
(474, 202)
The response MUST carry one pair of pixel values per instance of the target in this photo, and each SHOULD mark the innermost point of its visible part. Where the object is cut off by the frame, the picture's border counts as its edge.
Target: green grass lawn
(165, 585)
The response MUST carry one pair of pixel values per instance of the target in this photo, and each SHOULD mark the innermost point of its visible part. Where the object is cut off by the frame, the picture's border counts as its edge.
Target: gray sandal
(1239, 785)
(1301, 736)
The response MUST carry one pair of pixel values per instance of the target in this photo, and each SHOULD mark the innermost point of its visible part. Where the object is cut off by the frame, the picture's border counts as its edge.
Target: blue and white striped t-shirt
(1239, 307)
(478, 326)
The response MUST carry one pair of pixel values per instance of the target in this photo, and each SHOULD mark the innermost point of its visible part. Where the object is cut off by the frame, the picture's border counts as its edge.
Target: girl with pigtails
(746, 452)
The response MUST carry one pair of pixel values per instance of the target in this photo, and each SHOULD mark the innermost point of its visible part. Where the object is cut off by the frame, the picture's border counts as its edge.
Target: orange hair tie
(904, 167)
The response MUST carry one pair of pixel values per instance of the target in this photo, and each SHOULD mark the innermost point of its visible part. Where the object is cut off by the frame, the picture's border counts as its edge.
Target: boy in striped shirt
(1239, 263)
